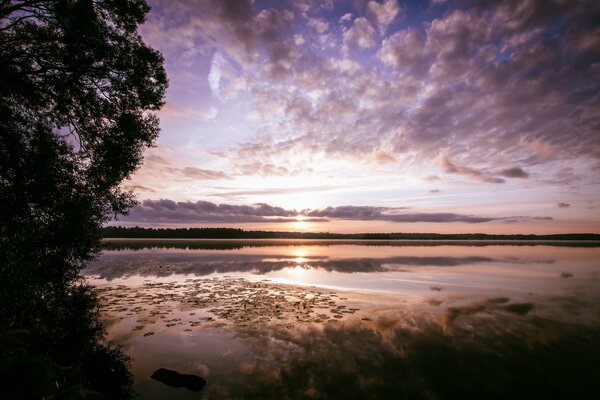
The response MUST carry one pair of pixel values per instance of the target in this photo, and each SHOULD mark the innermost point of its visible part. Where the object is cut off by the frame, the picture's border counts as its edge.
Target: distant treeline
(233, 233)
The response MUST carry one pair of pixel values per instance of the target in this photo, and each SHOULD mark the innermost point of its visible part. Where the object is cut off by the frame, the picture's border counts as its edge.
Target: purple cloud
(197, 173)
(514, 172)
(161, 166)
(169, 211)
(398, 214)
(360, 35)
(451, 168)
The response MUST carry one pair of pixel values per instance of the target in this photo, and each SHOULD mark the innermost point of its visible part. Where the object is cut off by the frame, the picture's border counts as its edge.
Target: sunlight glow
(299, 252)
(300, 223)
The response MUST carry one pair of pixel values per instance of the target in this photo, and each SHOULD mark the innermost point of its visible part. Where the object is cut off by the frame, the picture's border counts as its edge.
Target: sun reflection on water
(300, 255)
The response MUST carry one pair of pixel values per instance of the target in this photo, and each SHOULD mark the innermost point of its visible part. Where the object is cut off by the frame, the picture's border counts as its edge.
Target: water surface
(349, 319)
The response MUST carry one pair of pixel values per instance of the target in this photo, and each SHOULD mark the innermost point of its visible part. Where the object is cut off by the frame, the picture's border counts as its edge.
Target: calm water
(346, 319)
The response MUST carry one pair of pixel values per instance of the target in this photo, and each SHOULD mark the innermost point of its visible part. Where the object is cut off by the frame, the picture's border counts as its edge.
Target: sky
(375, 116)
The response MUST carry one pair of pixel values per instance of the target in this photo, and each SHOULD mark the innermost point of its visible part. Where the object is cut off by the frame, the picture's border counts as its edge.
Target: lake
(334, 319)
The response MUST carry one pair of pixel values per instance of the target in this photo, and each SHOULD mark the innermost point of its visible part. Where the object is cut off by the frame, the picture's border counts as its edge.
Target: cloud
(282, 60)
(249, 28)
(361, 34)
(540, 149)
(237, 193)
(172, 109)
(480, 175)
(268, 169)
(141, 188)
(398, 214)
(169, 211)
(515, 219)
(383, 14)
(161, 211)
(563, 205)
(319, 25)
(197, 173)
(156, 159)
(160, 166)
(451, 168)
(346, 17)
(406, 51)
(383, 157)
(214, 75)
(514, 172)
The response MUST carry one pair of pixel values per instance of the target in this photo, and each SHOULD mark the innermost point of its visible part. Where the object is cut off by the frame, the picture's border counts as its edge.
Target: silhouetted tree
(78, 88)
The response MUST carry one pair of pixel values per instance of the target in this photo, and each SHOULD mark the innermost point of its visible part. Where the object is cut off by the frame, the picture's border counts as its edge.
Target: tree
(78, 92)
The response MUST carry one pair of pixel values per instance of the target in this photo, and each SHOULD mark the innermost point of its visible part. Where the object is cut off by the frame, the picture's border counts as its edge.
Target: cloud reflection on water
(410, 357)
(114, 265)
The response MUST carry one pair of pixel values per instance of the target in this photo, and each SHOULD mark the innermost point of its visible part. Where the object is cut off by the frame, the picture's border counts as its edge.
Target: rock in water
(175, 379)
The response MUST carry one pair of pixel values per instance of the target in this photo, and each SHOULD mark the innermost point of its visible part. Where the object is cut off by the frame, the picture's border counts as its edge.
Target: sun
(300, 223)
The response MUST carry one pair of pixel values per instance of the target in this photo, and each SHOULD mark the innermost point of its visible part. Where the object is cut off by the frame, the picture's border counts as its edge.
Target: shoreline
(209, 243)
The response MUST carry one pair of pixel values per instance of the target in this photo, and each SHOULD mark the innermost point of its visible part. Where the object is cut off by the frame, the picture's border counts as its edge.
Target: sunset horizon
(169, 214)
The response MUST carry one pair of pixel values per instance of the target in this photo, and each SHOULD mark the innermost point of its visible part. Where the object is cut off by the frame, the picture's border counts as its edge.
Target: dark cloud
(563, 205)
(204, 211)
(283, 58)
(349, 212)
(168, 211)
(515, 172)
(451, 168)
(366, 213)
(248, 27)
(513, 220)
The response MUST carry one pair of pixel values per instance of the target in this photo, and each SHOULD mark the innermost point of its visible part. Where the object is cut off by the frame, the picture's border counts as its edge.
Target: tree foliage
(78, 91)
